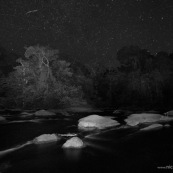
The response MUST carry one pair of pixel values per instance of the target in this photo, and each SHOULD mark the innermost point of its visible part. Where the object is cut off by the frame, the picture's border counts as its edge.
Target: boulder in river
(46, 138)
(169, 113)
(96, 121)
(152, 127)
(2, 119)
(167, 125)
(165, 119)
(44, 113)
(26, 115)
(74, 142)
(135, 119)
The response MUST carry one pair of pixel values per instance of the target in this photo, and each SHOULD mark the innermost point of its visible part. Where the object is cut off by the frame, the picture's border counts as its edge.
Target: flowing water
(113, 150)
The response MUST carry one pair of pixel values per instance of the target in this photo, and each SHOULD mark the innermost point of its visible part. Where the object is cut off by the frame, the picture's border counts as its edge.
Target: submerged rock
(2, 119)
(44, 113)
(26, 115)
(96, 121)
(169, 113)
(152, 127)
(68, 135)
(165, 119)
(135, 119)
(46, 138)
(74, 142)
(167, 125)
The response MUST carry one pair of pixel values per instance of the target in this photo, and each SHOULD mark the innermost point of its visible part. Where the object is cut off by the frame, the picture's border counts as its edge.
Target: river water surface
(113, 150)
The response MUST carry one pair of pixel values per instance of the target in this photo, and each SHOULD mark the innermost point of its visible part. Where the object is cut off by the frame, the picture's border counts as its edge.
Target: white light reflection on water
(98, 147)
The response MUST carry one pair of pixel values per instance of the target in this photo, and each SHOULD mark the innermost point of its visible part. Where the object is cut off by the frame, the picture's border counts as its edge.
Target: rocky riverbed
(53, 141)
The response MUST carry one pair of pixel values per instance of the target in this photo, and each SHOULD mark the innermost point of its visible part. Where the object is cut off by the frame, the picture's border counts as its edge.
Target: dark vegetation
(44, 78)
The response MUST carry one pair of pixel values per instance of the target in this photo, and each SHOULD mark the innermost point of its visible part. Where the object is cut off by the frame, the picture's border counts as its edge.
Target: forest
(44, 78)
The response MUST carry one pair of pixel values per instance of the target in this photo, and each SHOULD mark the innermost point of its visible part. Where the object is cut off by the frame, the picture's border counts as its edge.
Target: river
(119, 149)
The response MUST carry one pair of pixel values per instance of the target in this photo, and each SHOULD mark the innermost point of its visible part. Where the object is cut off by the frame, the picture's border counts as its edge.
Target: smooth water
(113, 150)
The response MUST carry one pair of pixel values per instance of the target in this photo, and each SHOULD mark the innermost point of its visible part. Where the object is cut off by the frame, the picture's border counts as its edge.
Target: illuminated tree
(41, 79)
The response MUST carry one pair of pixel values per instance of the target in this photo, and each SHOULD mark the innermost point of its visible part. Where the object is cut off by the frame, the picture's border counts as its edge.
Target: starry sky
(87, 29)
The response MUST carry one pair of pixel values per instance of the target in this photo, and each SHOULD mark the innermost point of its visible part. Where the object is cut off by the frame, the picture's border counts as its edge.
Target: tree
(145, 75)
(41, 79)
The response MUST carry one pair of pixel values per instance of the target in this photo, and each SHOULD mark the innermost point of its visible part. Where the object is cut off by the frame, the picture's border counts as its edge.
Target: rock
(2, 119)
(167, 125)
(165, 119)
(46, 138)
(96, 121)
(135, 119)
(152, 127)
(26, 115)
(74, 142)
(68, 135)
(169, 114)
(124, 127)
(44, 113)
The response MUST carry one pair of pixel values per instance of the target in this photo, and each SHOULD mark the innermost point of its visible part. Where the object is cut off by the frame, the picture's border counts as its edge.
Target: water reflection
(4, 166)
(99, 147)
(123, 149)
(73, 155)
(92, 137)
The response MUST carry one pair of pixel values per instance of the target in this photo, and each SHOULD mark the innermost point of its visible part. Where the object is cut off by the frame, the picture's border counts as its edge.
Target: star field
(87, 29)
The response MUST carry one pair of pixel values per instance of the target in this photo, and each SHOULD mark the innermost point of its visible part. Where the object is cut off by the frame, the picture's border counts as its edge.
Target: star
(73, 26)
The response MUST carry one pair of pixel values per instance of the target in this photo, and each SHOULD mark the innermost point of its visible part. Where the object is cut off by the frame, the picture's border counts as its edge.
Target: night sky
(87, 29)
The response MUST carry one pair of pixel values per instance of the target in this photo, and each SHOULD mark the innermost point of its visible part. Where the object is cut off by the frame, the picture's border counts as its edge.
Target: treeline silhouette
(44, 78)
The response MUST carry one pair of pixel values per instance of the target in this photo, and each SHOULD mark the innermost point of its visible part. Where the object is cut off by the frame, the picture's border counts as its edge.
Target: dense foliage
(142, 79)
(45, 79)
(41, 80)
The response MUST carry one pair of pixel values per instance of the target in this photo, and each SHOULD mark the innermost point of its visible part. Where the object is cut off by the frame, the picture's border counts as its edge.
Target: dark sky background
(87, 30)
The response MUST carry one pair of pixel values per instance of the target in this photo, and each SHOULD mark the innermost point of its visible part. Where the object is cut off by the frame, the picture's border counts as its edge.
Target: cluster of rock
(92, 121)
(151, 120)
(73, 142)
